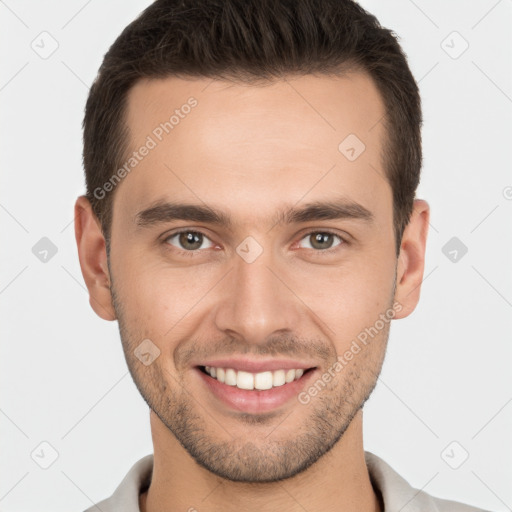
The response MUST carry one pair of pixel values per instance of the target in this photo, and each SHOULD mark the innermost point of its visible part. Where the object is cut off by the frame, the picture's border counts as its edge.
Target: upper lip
(255, 366)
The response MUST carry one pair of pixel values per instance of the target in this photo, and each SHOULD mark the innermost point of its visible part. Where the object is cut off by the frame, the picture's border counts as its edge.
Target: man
(250, 213)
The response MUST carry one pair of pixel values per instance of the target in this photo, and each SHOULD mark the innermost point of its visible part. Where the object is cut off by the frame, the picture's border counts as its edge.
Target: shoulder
(126, 495)
(398, 494)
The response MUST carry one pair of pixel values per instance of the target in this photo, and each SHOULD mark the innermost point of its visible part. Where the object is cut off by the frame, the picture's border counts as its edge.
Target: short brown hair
(253, 41)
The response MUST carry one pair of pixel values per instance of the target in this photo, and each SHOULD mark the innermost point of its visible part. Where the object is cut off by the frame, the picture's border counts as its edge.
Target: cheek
(158, 298)
(348, 298)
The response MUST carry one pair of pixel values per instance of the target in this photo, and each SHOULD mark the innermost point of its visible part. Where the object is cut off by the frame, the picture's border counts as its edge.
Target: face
(251, 240)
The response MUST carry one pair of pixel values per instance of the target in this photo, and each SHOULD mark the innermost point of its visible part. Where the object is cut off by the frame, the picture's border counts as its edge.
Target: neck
(339, 481)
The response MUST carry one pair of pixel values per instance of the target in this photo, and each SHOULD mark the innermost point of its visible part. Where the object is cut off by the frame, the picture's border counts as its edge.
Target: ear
(93, 259)
(411, 260)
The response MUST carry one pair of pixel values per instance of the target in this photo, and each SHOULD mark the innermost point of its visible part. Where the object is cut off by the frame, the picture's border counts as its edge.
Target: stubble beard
(269, 459)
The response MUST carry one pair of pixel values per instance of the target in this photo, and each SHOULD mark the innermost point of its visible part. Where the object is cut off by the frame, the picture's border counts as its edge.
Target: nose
(257, 302)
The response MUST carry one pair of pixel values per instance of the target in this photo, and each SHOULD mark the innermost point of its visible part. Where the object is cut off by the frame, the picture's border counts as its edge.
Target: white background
(447, 375)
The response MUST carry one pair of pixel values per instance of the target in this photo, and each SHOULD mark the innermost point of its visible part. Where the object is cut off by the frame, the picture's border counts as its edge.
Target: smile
(253, 381)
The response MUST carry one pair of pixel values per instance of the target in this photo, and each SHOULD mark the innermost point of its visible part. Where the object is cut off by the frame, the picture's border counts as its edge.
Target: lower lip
(255, 401)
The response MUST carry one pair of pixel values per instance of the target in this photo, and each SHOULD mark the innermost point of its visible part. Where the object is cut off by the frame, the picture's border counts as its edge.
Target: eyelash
(192, 253)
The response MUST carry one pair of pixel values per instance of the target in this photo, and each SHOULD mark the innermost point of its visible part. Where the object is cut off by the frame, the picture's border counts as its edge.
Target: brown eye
(189, 240)
(321, 240)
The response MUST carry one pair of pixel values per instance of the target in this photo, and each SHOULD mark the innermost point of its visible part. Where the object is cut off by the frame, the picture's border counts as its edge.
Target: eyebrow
(163, 212)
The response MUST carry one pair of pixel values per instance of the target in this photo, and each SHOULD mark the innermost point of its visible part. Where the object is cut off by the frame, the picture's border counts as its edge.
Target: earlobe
(411, 262)
(93, 259)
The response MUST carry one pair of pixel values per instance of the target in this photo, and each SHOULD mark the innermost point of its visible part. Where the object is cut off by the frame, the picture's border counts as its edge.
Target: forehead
(213, 140)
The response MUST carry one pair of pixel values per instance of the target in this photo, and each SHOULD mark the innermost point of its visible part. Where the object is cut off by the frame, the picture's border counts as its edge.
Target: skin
(253, 151)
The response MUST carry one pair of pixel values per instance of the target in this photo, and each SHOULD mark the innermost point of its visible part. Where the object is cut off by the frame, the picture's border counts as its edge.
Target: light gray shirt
(397, 494)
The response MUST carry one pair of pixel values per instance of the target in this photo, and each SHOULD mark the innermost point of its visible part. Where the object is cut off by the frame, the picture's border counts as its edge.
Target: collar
(397, 495)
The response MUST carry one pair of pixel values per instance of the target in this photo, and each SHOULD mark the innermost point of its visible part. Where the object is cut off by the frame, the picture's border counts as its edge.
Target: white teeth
(250, 381)
(263, 380)
(230, 377)
(278, 378)
(244, 380)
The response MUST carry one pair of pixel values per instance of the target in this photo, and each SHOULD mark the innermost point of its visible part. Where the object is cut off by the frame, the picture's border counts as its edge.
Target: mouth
(254, 381)
(254, 392)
